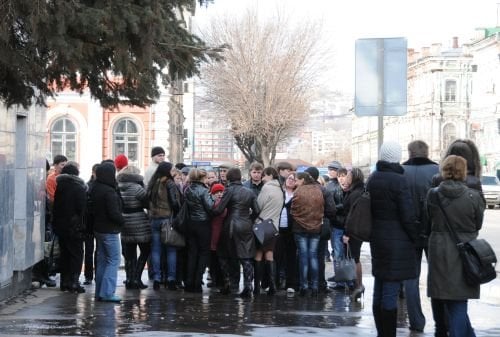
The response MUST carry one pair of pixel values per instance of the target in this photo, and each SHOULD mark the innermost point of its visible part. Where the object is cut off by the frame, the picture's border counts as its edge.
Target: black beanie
(313, 172)
(156, 151)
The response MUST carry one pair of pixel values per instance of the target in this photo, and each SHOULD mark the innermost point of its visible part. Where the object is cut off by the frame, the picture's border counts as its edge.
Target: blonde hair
(454, 168)
(196, 174)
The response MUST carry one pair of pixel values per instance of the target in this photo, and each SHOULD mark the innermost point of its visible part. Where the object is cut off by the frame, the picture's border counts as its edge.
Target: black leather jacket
(199, 202)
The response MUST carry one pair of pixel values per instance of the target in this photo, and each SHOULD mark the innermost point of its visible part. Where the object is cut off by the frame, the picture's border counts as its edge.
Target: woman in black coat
(237, 238)
(70, 201)
(393, 235)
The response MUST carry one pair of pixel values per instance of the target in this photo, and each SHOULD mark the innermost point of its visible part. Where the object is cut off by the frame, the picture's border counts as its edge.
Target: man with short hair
(51, 183)
(418, 171)
(157, 156)
(255, 182)
(284, 169)
(223, 168)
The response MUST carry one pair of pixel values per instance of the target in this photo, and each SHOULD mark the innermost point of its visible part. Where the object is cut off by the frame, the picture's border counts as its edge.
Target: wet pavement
(50, 312)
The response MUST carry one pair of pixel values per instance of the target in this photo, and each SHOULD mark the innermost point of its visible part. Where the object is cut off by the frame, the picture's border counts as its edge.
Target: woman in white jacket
(270, 201)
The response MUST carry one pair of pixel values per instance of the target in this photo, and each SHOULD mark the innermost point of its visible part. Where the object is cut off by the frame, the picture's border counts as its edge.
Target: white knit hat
(391, 152)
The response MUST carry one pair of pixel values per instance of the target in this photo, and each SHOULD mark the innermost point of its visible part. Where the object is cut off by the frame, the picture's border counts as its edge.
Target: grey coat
(134, 197)
(464, 208)
(271, 201)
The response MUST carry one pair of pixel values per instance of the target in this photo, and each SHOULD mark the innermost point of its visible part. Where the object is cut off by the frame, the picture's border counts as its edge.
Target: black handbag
(345, 268)
(358, 223)
(170, 236)
(180, 221)
(265, 231)
(478, 258)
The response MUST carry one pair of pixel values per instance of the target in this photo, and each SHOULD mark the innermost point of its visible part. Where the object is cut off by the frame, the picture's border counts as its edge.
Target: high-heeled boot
(75, 284)
(271, 272)
(358, 292)
(141, 263)
(130, 272)
(257, 277)
(247, 278)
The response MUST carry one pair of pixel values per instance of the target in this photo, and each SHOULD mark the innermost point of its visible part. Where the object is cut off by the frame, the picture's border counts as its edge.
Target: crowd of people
(124, 213)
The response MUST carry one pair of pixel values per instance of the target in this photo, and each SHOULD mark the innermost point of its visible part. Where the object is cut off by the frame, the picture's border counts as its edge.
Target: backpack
(358, 223)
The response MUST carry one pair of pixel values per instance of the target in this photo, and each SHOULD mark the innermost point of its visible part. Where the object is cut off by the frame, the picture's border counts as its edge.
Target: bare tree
(264, 85)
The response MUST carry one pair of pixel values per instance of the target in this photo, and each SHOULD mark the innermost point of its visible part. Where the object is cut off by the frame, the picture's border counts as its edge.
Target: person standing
(255, 182)
(463, 209)
(70, 201)
(270, 202)
(157, 157)
(51, 183)
(136, 232)
(392, 241)
(237, 238)
(108, 222)
(418, 171)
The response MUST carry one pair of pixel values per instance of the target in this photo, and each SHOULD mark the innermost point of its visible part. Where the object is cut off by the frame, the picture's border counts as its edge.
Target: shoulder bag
(265, 231)
(345, 268)
(478, 259)
(170, 236)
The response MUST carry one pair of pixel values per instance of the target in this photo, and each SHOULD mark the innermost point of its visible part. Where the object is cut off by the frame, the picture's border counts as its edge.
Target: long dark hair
(163, 170)
(466, 149)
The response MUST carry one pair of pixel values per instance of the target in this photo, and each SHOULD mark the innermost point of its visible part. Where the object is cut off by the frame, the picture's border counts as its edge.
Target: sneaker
(112, 298)
(290, 291)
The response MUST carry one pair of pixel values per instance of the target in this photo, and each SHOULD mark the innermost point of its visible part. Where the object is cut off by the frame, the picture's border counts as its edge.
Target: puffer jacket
(106, 201)
(394, 226)
(237, 238)
(136, 227)
(70, 201)
(307, 209)
(199, 202)
(464, 208)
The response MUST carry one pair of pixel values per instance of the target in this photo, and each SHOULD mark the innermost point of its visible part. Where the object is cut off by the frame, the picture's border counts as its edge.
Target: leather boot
(141, 263)
(75, 284)
(64, 283)
(257, 277)
(247, 278)
(389, 322)
(130, 271)
(377, 316)
(271, 272)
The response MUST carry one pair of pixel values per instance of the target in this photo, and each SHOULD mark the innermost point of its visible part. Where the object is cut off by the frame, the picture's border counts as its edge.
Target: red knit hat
(121, 161)
(217, 188)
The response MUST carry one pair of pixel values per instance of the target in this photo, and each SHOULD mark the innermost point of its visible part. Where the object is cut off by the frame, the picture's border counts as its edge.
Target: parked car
(491, 190)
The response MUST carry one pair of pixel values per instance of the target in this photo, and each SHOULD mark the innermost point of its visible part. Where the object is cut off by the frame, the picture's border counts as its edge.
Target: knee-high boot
(271, 272)
(141, 263)
(75, 284)
(257, 277)
(130, 271)
(389, 322)
(226, 283)
(247, 277)
(377, 316)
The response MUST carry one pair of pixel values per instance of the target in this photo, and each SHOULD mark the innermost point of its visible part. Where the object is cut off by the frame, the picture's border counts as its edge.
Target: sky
(421, 22)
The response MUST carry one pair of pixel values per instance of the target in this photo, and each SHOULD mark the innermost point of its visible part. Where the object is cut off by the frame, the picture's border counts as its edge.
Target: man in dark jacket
(108, 221)
(419, 170)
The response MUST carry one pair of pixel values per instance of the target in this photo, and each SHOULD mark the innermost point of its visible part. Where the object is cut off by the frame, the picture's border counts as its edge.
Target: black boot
(64, 283)
(389, 322)
(271, 272)
(257, 277)
(130, 272)
(377, 316)
(75, 284)
(247, 278)
(141, 263)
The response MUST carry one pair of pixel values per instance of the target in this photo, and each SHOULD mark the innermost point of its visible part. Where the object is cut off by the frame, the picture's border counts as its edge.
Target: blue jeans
(156, 248)
(385, 294)
(458, 320)
(412, 292)
(337, 244)
(108, 255)
(307, 245)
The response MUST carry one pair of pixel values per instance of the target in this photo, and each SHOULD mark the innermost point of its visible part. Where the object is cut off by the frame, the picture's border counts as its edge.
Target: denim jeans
(385, 294)
(412, 292)
(156, 248)
(307, 245)
(108, 255)
(458, 320)
(337, 244)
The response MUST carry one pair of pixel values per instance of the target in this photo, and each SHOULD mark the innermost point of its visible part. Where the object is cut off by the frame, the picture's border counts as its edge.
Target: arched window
(63, 138)
(126, 140)
(449, 135)
(450, 94)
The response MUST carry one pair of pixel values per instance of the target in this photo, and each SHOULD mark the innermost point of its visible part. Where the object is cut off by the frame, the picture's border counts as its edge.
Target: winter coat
(307, 209)
(271, 201)
(394, 231)
(70, 201)
(136, 228)
(419, 173)
(164, 199)
(237, 238)
(465, 208)
(199, 202)
(216, 227)
(351, 196)
(253, 187)
(106, 201)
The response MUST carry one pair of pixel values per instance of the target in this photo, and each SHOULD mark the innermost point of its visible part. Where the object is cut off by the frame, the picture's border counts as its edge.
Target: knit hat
(121, 161)
(185, 170)
(391, 152)
(156, 151)
(313, 172)
(217, 188)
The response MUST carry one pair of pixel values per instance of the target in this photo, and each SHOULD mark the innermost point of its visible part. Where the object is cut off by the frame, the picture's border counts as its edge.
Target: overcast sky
(422, 22)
